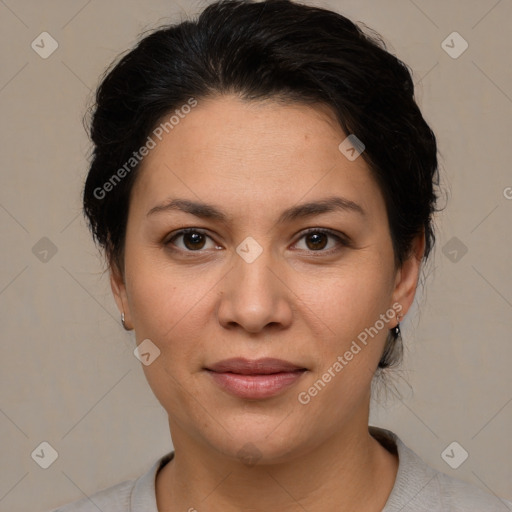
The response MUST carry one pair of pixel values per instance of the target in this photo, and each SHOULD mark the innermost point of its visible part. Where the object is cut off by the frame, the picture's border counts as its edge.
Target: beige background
(68, 374)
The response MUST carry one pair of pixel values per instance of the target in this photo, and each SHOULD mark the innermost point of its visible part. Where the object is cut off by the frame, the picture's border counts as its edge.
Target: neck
(350, 471)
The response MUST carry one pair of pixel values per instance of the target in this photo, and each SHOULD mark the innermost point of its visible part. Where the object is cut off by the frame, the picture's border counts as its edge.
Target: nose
(255, 295)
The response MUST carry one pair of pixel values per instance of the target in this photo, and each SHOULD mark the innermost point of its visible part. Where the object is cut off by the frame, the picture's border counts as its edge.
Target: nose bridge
(252, 295)
(253, 276)
(254, 264)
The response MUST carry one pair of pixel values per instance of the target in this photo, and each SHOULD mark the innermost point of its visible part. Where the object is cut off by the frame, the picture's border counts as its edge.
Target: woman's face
(248, 281)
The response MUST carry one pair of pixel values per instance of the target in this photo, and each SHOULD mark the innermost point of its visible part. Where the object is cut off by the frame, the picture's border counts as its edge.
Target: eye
(192, 240)
(317, 240)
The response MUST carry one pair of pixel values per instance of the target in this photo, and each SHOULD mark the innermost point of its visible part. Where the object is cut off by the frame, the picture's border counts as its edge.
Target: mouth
(255, 379)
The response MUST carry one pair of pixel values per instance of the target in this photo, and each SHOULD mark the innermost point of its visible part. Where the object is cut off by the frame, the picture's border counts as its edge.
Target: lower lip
(256, 386)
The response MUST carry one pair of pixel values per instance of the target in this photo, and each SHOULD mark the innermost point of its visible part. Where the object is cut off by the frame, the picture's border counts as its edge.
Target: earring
(122, 321)
(397, 327)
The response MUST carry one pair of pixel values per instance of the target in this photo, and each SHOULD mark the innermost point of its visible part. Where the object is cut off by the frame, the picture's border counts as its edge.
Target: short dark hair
(273, 49)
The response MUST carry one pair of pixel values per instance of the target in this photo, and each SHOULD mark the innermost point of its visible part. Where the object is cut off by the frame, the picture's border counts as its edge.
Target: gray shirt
(417, 488)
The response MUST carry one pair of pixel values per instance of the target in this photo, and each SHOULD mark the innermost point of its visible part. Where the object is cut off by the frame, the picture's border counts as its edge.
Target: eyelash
(341, 240)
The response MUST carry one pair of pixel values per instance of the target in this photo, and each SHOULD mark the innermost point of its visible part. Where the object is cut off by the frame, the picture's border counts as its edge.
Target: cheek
(162, 296)
(348, 299)
(168, 309)
(349, 347)
(170, 313)
(353, 332)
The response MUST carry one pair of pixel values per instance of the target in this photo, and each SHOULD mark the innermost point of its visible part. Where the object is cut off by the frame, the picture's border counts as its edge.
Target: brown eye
(191, 240)
(316, 241)
(322, 241)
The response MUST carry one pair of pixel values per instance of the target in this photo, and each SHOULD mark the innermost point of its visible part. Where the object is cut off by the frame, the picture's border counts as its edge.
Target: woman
(263, 185)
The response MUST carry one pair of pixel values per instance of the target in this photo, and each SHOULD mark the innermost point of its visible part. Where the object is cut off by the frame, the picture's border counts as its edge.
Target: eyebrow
(208, 211)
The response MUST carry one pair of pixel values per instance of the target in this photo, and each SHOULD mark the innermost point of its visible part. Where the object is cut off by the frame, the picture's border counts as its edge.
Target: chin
(254, 438)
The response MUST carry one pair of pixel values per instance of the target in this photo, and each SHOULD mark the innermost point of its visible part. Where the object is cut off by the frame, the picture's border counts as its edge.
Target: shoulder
(128, 496)
(461, 496)
(420, 488)
(112, 499)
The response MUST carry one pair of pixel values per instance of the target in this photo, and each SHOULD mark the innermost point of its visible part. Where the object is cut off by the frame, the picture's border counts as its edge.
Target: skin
(297, 301)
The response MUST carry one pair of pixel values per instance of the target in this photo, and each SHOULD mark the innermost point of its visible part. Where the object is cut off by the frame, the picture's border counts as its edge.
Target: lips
(264, 366)
(255, 379)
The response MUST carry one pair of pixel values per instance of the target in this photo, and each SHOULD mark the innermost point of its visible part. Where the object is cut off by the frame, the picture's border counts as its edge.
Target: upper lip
(263, 366)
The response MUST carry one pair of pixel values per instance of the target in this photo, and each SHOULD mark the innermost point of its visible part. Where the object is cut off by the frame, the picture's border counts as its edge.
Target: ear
(119, 291)
(407, 276)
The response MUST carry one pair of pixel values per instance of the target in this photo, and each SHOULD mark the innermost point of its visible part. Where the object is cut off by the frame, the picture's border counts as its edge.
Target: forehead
(252, 154)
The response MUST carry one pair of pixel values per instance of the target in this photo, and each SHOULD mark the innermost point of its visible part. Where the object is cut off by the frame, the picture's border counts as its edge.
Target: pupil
(196, 240)
(317, 239)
